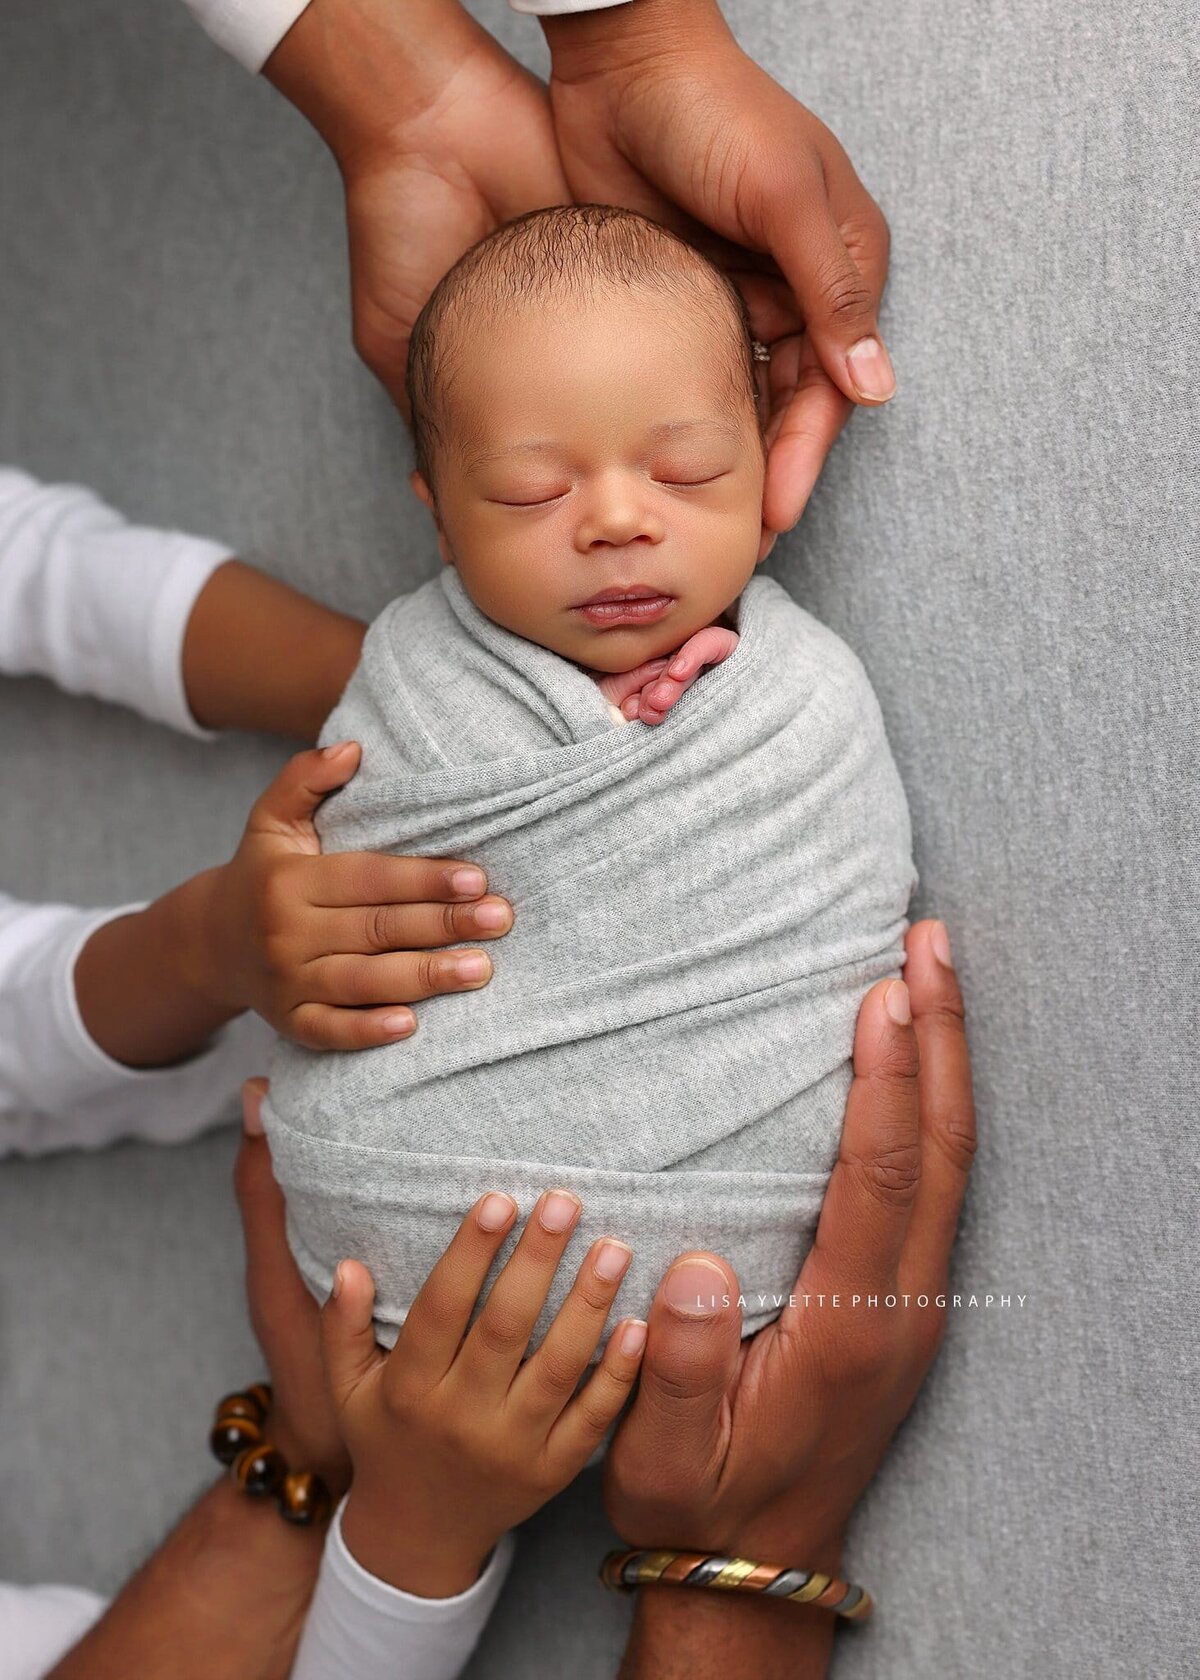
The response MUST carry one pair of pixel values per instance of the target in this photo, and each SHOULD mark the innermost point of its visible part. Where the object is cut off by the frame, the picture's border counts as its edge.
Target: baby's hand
(329, 949)
(453, 1439)
(649, 692)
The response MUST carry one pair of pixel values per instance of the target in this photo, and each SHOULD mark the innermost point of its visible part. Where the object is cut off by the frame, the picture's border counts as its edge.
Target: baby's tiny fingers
(586, 1421)
(319, 1026)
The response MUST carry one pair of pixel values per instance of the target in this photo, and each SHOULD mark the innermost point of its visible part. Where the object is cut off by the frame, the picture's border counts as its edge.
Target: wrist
(198, 920)
(414, 1559)
(680, 1633)
(622, 38)
(359, 70)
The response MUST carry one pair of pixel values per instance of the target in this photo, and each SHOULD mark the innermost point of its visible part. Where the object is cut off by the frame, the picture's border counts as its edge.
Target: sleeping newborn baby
(702, 894)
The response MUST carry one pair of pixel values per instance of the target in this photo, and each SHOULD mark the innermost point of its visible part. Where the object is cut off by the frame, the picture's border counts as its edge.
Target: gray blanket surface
(699, 908)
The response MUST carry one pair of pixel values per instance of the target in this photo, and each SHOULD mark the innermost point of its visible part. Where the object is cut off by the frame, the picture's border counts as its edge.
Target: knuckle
(954, 1135)
(377, 927)
(847, 296)
(554, 1374)
(890, 1174)
(499, 1333)
(452, 915)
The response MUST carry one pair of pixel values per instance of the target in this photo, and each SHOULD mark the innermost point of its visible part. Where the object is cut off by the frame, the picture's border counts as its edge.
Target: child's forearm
(139, 980)
(258, 654)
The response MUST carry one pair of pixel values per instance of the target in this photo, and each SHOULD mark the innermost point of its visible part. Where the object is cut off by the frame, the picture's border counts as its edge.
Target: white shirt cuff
(558, 8)
(359, 1625)
(249, 30)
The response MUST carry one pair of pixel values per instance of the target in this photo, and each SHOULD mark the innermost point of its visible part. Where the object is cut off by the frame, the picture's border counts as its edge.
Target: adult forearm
(697, 1635)
(258, 654)
(224, 1598)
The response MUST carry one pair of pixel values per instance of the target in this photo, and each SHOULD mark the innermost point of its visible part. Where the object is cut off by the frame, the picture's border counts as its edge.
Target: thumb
(692, 1346)
(287, 807)
(348, 1329)
(839, 295)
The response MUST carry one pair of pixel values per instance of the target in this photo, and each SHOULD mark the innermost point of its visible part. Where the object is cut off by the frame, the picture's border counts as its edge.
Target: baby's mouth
(639, 604)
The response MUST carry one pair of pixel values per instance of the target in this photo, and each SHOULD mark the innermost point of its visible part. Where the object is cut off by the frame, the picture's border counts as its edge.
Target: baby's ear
(421, 488)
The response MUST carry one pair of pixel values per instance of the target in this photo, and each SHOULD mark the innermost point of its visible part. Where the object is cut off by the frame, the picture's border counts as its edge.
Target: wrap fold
(699, 907)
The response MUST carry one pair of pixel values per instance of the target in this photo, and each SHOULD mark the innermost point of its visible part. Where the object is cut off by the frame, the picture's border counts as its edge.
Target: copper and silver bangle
(623, 1571)
(237, 1439)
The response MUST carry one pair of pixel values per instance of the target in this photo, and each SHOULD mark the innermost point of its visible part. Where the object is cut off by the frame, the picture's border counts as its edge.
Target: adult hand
(657, 108)
(762, 1448)
(440, 136)
(329, 949)
(285, 1318)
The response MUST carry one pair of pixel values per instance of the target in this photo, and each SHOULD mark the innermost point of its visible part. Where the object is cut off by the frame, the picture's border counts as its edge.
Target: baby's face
(595, 448)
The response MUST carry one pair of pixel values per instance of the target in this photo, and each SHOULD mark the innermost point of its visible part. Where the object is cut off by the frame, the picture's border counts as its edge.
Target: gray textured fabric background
(1011, 549)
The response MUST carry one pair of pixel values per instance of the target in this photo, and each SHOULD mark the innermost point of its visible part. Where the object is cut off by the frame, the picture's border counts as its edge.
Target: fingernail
(559, 1210)
(695, 1288)
(940, 940)
(495, 1210)
(633, 1338)
(336, 1290)
(895, 1001)
(469, 883)
(400, 1024)
(677, 667)
(473, 967)
(871, 370)
(491, 915)
(338, 747)
(252, 1120)
(611, 1261)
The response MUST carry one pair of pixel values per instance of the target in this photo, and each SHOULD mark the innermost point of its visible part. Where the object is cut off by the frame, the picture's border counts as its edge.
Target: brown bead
(232, 1435)
(259, 1470)
(260, 1393)
(304, 1498)
(240, 1406)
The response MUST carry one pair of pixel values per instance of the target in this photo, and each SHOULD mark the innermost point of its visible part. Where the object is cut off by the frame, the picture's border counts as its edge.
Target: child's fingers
(437, 1320)
(375, 929)
(346, 980)
(347, 1329)
(588, 1418)
(319, 1026)
(499, 1336)
(288, 804)
(549, 1377)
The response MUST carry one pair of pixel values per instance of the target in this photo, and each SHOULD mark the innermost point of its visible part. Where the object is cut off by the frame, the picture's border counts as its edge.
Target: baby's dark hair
(564, 250)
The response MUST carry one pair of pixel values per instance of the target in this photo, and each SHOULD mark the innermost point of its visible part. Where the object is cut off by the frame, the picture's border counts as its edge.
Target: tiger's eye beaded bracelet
(623, 1571)
(237, 1440)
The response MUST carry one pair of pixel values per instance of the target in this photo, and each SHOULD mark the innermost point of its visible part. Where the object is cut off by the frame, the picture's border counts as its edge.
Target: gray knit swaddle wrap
(699, 908)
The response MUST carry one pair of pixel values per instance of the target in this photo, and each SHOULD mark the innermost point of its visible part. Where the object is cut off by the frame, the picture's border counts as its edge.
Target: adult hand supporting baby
(762, 1448)
(439, 134)
(656, 108)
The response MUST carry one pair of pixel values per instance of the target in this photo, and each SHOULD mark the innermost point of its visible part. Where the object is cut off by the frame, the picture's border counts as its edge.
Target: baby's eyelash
(542, 501)
(691, 483)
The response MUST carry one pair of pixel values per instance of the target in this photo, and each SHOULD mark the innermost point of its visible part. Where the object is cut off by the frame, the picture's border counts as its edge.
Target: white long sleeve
(250, 30)
(94, 603)
(359, 1628)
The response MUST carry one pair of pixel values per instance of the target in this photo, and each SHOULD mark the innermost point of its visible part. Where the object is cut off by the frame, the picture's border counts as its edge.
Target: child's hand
(649, 692)
(453, 1440)
(329, 949)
